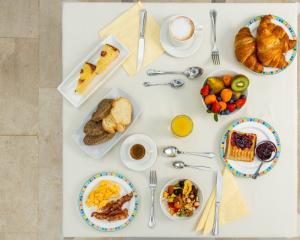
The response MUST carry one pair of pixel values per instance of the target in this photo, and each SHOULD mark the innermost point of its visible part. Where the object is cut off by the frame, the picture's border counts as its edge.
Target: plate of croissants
(266, 45)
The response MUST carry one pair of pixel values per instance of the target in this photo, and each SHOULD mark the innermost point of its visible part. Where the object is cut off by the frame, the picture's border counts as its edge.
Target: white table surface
(272, 199)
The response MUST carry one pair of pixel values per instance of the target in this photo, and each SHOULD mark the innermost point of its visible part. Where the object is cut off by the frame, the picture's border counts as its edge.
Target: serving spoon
(172, 151)
(181, 165)
(176, 83)
(190, 73)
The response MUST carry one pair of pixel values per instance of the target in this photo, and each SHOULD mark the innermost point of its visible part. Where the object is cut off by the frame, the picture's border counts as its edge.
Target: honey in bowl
(137, 151)
(182, 125)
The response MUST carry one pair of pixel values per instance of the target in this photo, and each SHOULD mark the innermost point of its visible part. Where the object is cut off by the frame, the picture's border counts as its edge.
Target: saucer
(147, 161)
(179, 52)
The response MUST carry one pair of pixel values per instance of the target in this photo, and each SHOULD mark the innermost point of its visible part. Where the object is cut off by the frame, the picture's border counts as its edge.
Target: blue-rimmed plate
(126, 187)
(263, 131)
(290, 55)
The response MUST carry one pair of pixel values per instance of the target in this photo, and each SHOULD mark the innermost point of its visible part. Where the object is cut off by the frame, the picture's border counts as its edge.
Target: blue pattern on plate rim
(292, 32)
(86, 218)
(234, 124)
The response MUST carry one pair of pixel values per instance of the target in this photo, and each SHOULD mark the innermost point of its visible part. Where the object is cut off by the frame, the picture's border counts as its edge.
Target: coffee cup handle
(198, 28)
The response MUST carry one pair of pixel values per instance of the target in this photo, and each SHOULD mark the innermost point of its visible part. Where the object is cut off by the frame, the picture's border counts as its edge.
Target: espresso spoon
(176, 83)
(172, 151)
(181, 165)
(190, 73)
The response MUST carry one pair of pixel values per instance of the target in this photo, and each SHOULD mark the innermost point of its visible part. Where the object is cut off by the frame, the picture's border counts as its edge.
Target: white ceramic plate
(179, 52)
(126, 187)
(149, 158)
(263, 132)
(98, 151)
(164, 204)
(290, 55)
(68, 86)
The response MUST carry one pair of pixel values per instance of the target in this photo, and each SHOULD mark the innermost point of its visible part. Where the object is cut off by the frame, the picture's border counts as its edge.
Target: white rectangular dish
(98, 151)
(67, 87)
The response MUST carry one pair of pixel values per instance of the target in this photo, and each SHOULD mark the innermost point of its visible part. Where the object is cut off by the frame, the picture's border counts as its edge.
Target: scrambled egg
(102, 194)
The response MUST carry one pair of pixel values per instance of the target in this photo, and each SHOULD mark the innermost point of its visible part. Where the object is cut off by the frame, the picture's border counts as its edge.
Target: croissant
(272, 43)
(245, 50)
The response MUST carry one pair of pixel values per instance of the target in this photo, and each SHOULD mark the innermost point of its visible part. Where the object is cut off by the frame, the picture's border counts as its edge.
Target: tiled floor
(30, 119)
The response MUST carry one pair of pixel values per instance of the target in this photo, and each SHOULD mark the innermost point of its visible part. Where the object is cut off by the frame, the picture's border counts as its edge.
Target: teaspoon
(190, 73)
(176, 83)
(181, 165)
(172, 151)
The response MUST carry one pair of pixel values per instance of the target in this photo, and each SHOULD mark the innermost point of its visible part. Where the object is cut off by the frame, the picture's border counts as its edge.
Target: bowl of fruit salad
(224, 92)
(180, 199)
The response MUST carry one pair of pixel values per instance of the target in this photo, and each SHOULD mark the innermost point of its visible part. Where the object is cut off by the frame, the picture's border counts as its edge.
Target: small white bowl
(147, 161)
(219, 73)
(164, 204)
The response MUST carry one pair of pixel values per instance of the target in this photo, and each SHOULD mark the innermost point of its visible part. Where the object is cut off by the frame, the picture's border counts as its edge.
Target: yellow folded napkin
(232, 207)
(126, 29)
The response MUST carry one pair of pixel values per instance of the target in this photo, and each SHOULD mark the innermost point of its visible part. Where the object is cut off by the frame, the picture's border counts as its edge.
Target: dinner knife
(141, 49)
(215, 230)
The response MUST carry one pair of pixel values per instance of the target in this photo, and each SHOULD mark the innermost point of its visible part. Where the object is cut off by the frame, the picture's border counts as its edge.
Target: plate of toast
(104, 126)
(266, 44)
(238, 146)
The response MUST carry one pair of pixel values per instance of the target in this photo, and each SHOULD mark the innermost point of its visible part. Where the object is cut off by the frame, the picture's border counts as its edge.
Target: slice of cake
(89, 71)
(108, 54)
(240, 146)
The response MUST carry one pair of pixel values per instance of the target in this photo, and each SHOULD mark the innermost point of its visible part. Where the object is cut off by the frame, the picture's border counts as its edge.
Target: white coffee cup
(182, 30)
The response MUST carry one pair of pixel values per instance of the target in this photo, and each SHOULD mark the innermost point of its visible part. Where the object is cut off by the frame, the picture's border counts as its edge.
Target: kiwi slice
(240, 83)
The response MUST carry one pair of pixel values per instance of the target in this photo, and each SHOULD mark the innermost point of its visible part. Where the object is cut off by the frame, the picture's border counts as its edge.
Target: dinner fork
(215, 55)
(152, 186)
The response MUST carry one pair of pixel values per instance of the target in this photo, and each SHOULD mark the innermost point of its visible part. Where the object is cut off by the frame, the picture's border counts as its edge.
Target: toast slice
(122, 111)
(103, 110)
(240, 146)
(109, 124)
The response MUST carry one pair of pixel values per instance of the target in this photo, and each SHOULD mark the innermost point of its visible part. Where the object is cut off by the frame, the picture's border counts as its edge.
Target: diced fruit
(209, 99)
(208, 106)
(240, 102)
(237, 94)
(240, 83)
(205, 90)
(216, 108)
(231, 107)
(223, 105)
(226, 95)
(216, 84)
(227, 79)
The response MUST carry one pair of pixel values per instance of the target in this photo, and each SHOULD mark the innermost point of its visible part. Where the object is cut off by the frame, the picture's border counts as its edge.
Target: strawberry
(205, 90)
(240, 102)
(215, 107)
(231, 107)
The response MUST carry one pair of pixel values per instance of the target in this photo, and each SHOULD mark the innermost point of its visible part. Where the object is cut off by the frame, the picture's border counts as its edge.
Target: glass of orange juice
(182, 125)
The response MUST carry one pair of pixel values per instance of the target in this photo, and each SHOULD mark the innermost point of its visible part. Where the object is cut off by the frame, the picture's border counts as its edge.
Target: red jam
(241, 140)
(264, 151)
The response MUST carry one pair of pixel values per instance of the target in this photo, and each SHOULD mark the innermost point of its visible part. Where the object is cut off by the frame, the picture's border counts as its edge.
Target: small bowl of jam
(265, 151)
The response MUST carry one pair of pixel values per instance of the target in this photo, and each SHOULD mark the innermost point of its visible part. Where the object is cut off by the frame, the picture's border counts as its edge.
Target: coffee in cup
(137, 151)
(181, 31)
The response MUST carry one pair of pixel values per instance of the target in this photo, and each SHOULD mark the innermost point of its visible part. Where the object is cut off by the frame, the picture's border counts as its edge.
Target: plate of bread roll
(239, 143)
(266, 45)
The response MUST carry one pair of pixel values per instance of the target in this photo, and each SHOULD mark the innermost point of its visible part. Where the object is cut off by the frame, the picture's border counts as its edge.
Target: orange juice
(182, 125)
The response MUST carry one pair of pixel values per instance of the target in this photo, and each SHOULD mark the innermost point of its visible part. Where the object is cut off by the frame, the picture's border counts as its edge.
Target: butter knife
(215, 230)
(141, 49)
